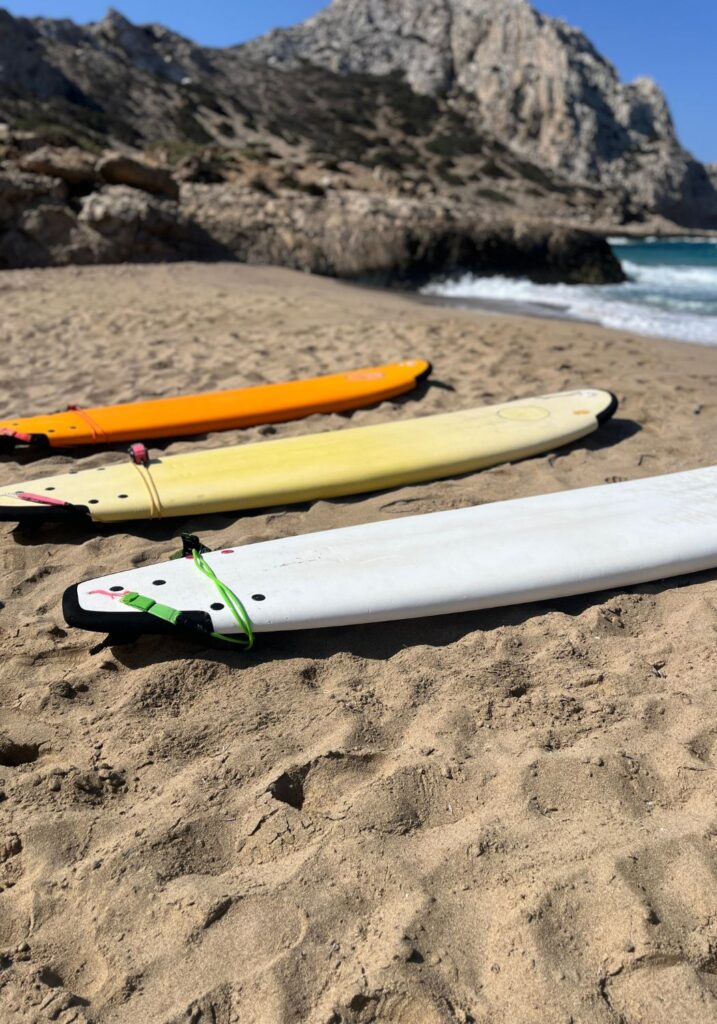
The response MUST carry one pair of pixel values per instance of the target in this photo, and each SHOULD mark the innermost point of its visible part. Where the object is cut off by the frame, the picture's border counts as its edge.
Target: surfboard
(505, 553)
(219, 410)
(312, 466)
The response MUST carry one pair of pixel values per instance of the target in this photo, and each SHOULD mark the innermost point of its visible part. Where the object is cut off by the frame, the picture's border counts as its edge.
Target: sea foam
(669, 300)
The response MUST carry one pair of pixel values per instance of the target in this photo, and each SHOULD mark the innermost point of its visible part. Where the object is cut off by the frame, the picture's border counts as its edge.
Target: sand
(493, 817)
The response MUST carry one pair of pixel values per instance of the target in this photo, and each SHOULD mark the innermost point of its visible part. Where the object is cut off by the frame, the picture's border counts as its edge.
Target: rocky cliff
(365, 150)
(114, 83)
(532, 81)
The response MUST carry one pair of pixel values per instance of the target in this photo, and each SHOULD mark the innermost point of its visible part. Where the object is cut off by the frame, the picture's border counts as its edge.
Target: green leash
(178, 618)
(234, 604)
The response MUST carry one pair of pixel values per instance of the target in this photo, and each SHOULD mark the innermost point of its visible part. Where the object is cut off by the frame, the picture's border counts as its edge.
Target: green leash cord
(234, 604)
(174, 616)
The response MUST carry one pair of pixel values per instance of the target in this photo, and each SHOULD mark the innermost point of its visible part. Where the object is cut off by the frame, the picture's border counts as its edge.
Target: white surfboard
(509, 552)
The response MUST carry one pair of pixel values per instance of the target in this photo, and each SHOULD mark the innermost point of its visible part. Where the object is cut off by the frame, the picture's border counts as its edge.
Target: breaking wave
(670, 292)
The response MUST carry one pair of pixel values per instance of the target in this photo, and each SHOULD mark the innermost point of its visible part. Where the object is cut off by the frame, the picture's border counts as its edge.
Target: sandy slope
(505, 817)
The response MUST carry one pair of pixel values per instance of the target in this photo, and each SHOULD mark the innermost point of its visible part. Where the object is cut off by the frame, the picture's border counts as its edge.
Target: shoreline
(541, 311)
(608, 309)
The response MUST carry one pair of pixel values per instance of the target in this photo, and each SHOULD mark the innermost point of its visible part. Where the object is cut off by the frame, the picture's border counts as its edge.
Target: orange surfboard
(218, 410)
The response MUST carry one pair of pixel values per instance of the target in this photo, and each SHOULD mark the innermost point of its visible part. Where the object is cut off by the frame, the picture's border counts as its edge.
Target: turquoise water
(674, 275)
(671, 291)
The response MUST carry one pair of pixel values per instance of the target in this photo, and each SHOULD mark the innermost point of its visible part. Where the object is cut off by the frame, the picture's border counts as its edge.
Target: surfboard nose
(610, 409)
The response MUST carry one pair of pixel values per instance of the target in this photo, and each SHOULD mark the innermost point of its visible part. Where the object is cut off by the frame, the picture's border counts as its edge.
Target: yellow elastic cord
(155, 502)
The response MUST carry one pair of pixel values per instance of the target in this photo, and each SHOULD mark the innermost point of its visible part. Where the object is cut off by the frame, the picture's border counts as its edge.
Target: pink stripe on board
(40, 499)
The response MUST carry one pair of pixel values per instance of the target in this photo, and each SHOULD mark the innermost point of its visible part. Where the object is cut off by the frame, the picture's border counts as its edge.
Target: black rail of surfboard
(607, 414)
(37, 513)
(8, 443)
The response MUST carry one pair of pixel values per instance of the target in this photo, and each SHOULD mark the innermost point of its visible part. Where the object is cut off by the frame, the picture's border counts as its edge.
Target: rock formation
(353, 235)
(117, 169)
(532, 81)
(388, 141)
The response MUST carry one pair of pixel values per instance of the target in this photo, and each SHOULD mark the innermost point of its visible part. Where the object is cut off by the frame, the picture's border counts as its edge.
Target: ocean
(671, 291)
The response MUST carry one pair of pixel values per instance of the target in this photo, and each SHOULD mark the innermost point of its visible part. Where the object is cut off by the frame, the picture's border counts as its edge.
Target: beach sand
(505, 817)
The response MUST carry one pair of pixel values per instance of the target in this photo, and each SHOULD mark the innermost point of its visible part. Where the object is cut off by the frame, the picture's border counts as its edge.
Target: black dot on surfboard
(73, 428)
(93, 501)
(216, 607)
(122, 495)
(258, 597)
(51, 430)
(116, 588)
(49, 488)
(158, 583)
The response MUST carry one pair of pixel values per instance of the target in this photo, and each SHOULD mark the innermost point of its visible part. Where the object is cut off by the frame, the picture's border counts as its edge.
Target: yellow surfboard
(312, 466)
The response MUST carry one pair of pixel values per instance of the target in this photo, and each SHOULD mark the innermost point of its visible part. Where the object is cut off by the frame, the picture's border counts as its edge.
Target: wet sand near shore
(505, 817)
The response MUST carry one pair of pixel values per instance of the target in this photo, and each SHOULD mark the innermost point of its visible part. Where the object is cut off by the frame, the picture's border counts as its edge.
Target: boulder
(19, 190)
(38, 227)
(117, 169)
(129, 225)
(72, 165)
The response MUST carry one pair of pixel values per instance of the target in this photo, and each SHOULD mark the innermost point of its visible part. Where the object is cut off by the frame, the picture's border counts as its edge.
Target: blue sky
(674, 43)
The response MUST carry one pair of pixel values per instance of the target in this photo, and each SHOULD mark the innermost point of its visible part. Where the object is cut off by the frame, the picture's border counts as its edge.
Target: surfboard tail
(38, 513)
(12, 439)
(192, 624)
